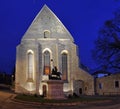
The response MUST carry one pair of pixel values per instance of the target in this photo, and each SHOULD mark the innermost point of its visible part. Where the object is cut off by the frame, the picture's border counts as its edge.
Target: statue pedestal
(55, 89)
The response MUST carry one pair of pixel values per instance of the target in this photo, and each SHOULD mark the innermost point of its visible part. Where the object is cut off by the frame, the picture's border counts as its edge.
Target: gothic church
(47, 43)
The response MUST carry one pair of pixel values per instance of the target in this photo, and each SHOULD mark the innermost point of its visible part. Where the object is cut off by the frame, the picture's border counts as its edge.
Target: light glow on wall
(30, 86)
(30, 65)
(66, 88)
(64, 66)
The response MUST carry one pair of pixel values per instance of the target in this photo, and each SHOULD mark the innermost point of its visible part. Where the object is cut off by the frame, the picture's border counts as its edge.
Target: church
(47, 43)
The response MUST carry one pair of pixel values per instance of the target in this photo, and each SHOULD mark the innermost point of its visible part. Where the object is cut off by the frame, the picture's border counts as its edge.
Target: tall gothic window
(30, 65)
(46, 63)
(64, 67)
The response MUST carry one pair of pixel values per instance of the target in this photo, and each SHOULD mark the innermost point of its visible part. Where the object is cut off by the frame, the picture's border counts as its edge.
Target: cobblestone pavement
(7, 103)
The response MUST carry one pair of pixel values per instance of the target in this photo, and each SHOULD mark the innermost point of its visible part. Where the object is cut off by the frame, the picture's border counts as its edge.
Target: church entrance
(80, 91)
(44, 90)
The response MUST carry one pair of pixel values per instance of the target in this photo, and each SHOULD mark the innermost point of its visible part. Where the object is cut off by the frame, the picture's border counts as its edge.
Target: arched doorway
(44, 90)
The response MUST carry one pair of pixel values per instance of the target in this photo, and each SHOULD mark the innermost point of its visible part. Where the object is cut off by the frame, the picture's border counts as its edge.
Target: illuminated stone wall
(47, 33)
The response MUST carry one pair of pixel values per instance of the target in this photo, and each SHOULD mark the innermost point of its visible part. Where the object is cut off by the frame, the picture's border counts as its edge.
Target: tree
(107, 45)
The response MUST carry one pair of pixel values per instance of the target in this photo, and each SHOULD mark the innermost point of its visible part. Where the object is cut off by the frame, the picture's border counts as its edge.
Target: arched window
(46, 63)
(46, 34)
(64, 66)
(30, 65)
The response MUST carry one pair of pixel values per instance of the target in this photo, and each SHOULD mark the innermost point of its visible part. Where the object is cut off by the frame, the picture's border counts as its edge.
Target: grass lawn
(34, 98)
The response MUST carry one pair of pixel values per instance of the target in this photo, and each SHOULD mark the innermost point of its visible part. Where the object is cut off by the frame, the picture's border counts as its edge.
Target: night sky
(82, 18)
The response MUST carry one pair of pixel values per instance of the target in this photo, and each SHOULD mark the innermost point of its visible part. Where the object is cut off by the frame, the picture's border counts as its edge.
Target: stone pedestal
(55, 89)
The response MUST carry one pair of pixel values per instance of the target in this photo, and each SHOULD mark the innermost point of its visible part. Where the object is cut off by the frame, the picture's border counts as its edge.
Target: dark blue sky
(82, 18)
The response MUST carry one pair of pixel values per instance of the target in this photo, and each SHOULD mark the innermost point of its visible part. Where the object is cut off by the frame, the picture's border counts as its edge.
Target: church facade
(47, 43)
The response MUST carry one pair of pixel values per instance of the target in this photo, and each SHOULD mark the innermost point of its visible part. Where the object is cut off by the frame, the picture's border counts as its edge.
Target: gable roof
(47, 20)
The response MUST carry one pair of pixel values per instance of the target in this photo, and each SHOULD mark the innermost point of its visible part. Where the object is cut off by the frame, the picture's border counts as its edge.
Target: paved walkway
(7, 103)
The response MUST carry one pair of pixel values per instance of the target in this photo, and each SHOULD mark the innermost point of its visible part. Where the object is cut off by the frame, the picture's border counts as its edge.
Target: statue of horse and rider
(55, 75)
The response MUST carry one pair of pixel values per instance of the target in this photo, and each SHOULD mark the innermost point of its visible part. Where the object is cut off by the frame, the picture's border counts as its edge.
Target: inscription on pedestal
(55, 89)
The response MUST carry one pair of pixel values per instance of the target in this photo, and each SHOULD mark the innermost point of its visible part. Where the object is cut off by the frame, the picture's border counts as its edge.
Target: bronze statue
(55, 75)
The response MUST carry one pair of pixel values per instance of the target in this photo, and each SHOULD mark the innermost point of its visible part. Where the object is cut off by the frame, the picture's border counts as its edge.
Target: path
(7, 103)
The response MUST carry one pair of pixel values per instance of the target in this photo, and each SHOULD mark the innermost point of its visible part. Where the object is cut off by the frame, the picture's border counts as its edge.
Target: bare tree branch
(107, 46)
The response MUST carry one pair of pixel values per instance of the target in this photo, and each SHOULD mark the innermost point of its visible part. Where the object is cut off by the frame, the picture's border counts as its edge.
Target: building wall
(74, 73)
(106, 85)
(88, 81)
(57, 41)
